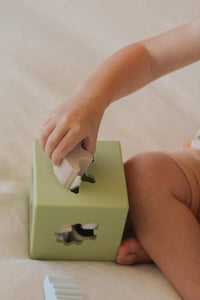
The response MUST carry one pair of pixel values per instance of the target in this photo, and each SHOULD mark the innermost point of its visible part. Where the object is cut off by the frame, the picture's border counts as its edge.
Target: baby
(163, 188)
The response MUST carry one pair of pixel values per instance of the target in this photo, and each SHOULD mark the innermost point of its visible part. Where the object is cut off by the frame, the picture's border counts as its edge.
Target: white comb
(73, 165)
(61, 288)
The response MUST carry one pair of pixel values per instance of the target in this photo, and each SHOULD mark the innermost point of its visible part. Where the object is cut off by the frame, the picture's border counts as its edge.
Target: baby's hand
(73, 121)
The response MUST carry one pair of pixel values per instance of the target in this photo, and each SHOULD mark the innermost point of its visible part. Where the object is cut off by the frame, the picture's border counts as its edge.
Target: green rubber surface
(104, 202)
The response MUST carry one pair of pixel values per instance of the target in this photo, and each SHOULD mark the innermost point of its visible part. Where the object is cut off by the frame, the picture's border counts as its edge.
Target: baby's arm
(174, 49)
(78, 118)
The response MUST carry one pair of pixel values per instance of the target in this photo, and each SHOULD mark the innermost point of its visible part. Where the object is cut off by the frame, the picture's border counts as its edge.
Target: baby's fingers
(47, 129)
(53, 140)
(67, 144)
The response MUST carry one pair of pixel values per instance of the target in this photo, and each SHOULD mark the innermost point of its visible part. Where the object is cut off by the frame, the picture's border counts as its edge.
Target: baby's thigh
(152, 175)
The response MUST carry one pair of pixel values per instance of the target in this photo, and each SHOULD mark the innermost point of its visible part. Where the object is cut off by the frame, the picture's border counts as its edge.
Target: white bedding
(46, 49)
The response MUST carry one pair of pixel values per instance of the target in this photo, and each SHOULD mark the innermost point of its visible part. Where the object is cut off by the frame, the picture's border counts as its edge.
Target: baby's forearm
(119, 75)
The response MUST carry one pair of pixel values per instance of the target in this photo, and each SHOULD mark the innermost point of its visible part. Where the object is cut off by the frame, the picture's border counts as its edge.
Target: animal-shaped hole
(84, 178)
(76, 233)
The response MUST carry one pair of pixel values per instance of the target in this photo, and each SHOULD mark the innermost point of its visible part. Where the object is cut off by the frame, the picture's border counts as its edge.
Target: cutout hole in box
(76, 232)
(84, 178)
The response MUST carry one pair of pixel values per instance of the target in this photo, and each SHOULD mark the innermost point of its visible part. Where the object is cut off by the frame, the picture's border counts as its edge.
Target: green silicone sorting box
(104, 202)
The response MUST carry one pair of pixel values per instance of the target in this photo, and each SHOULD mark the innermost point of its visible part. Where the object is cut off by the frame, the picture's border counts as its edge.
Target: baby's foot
(131, 252)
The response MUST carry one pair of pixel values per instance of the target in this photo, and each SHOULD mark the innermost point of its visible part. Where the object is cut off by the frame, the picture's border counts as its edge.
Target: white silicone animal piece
(74, 164)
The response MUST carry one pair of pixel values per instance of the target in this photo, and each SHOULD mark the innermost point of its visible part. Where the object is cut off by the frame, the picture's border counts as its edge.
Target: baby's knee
(145, 169)
(155, 173)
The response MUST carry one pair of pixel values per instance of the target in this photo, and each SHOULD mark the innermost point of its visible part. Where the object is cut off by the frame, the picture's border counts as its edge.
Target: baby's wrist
(93, 96)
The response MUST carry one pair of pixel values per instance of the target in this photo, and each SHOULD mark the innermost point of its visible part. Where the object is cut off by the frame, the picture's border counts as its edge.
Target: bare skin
(165, 229)
(78, 118)
(164, 225)
(131, 252)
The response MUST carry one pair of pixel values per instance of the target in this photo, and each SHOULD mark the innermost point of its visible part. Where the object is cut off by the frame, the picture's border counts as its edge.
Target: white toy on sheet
(74, 164)
(56, 288)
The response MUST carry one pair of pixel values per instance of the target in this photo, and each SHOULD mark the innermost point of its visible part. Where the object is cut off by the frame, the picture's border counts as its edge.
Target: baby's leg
(131, 251)
(159, 197)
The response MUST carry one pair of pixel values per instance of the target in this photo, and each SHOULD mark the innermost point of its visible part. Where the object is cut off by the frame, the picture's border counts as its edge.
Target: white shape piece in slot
(76, 236)
(91, 226)
(75, 163)
(65, 228)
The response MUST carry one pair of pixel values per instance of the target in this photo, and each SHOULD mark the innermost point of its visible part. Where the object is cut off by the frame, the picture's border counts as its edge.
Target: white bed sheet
(47, 49)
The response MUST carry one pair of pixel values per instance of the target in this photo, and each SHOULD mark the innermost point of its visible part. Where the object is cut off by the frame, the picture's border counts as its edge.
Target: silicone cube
(54, 207)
